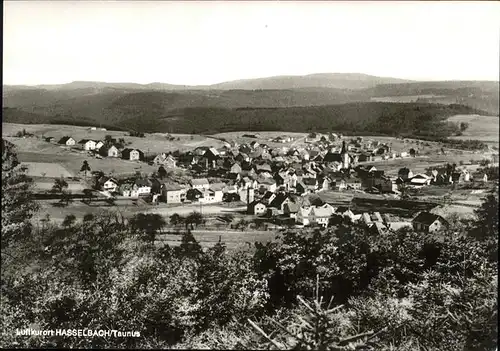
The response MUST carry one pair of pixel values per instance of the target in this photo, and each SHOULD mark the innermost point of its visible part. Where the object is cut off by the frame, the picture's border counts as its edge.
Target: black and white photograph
(250, 175)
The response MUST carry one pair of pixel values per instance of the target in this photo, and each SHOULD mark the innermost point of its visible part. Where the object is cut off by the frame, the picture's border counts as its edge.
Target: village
(310, 183)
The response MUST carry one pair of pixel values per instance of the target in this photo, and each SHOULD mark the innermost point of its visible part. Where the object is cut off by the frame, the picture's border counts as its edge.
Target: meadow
(483, 128)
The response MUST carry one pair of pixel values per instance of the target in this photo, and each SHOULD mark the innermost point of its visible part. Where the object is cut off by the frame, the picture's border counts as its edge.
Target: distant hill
(165, 107)
(319, 80)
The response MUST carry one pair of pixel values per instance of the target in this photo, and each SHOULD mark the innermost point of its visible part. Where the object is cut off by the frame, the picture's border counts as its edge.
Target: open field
(152, 143)
(484, 128)
(408, 98)
(43, 169)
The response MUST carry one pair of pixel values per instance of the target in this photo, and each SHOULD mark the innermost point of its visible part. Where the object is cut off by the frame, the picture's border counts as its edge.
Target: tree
(464, 126)
(412, 152)
(18, 206)
(60, 187)
(85, 168)
(148, 224)
(176, 219)
(162, 172)
(88, 195)
(69, 221)
(108, 139)
(195, 218)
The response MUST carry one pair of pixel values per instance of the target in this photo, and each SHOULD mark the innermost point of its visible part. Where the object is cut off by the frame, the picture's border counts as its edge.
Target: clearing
(483, 128)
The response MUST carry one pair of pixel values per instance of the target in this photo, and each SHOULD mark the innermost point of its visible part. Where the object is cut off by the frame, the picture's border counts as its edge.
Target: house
(339, 184)
(235, 169)
(353, 183)
(142, 186)
(247, 183)
(132, 154)
(200, 183)
(110, 151)
(108, 184)
(126, 190)
(99, 144)
(166, 160)
(257, 208)
(279, 202)
(254, 144)
(307, 186)
(218, 191)
(314, 216)
(266, 184)
(67, 140)
(173, 193)
(405, 173)
(429, 222)
(291, 209)
(194, 194)
(420, 180)
(87, 144)
(378, 228)
(50, 139)
(346, 213)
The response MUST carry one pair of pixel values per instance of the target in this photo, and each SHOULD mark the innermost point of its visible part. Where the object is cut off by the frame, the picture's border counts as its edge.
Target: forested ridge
(357, 117)
(339, 289)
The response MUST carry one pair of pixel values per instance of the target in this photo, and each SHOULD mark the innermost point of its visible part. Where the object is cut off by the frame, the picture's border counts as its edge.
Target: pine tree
(17, 198)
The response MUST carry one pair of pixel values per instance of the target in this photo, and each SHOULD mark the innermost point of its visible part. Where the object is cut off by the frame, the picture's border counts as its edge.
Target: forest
(341, 288)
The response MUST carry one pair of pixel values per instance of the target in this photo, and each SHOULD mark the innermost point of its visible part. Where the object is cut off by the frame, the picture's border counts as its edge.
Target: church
(340, 160)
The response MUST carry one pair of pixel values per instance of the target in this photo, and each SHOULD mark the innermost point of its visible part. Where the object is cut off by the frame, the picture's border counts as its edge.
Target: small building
(126, 190)
(173, 193)
(99, 144)
(108, 184)
(165, 160)
(257, 208)
(87, 144)
(50, 139)
(142, 186)
(132, 154)
(194, 194)
(111, 151)
(353, 183)
(67, 140)
(429, 222)
(420, 180)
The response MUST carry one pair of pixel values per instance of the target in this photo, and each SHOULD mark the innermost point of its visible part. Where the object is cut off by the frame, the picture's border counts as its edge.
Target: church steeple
(344, 149)
(345, 156)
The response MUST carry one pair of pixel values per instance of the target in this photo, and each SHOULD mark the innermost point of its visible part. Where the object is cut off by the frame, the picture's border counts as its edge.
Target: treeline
(373, 117)
(341, 288)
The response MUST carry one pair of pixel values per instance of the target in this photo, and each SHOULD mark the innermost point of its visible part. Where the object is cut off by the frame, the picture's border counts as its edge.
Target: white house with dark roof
(87, 144)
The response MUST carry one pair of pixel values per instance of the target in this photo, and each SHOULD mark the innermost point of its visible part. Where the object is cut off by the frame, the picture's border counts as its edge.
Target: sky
(196, 43)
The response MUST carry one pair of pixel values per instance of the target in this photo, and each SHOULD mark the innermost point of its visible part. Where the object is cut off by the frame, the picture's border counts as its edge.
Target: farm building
(87, 144)
(108, 184)
(110, 151)
(165, 160)
(142, 186)
(99, 144)
(132, 154)
(429, 222)
(67, 140)
(50, 139)
(173, 193)
(257, 208)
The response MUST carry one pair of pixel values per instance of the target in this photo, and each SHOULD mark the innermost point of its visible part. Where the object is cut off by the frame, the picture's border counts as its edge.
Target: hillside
(360, 118)
(319, 80)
